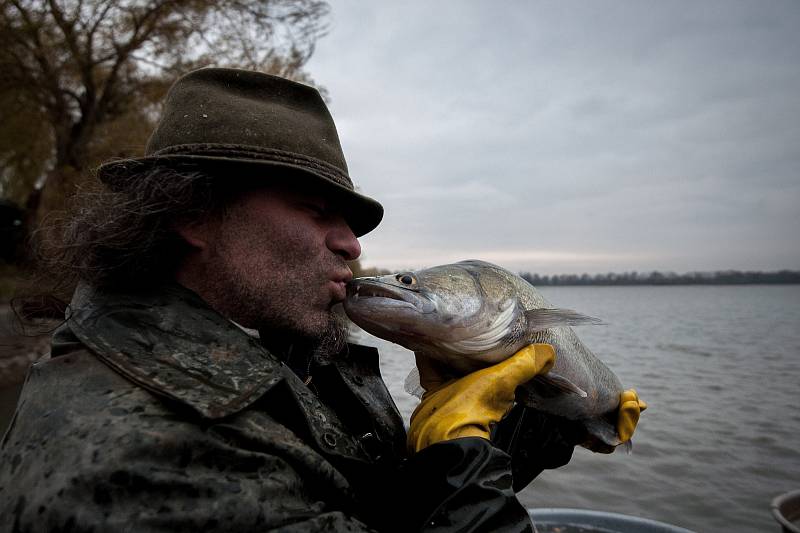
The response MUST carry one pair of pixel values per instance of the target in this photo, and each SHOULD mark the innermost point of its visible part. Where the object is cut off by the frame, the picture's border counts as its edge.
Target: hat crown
(222, 108)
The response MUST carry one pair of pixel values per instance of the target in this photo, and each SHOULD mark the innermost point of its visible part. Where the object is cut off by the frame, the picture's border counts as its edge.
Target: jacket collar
(168, 340)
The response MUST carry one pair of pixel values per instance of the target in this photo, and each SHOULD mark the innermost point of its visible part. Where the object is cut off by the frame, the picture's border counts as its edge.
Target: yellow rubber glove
(467, 406)
(630, 407)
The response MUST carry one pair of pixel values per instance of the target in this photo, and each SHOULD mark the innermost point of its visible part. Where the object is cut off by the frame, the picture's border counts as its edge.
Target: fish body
(473, 314)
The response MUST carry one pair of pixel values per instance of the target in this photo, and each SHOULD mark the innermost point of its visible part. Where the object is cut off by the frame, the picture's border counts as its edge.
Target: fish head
(464, 308)
(391, 307)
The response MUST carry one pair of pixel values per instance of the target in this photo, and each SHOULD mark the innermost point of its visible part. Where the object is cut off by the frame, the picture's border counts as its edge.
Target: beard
(288, 343)
(334, 337)
(282, 306)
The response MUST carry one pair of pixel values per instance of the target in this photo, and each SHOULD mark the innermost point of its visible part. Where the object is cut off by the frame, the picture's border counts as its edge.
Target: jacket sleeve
(462, 485)
(469, 484)
(108, 456)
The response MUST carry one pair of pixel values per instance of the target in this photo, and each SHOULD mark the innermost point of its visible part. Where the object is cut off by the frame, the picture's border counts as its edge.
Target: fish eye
(406, 279)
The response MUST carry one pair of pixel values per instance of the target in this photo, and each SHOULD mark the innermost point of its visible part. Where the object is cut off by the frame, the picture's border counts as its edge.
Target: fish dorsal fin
(412, 384)
(540, 319)
(488, 339)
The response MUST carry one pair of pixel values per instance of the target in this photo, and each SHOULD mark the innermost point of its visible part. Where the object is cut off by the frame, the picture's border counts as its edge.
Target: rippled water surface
(719, 367)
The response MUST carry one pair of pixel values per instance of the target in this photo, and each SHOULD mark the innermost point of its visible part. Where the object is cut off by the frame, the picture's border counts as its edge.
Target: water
(719, 367)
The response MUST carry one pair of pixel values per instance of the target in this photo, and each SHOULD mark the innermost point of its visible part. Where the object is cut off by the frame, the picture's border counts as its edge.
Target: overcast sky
(570, 137)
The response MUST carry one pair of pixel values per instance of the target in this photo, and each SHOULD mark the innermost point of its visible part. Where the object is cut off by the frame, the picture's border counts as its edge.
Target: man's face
(277, 262)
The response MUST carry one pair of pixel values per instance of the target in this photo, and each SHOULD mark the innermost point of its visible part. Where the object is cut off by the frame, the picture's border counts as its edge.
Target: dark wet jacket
(155, 413)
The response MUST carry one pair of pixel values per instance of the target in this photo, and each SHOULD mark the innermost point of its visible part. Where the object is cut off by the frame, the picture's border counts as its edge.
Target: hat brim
(362, 213)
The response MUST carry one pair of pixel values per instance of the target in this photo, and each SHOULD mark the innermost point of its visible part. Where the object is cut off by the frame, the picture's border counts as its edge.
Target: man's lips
(338, 284)
(339, 290)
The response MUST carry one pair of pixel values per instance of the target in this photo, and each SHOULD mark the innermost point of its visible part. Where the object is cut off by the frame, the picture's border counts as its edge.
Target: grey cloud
(602, 136)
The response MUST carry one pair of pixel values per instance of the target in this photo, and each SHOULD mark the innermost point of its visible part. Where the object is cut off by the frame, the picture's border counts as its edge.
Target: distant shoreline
(726, 277)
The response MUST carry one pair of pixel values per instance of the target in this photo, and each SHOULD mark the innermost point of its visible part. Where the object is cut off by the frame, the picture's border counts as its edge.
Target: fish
(473, 314)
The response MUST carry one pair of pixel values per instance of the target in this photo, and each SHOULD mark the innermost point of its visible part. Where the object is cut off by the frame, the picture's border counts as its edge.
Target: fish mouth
(378, 292)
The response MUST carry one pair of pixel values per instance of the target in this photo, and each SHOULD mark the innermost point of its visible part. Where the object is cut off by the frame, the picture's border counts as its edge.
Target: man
(202, 381)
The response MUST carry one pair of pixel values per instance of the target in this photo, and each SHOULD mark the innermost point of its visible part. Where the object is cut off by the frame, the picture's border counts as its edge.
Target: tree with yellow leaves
(82, 79)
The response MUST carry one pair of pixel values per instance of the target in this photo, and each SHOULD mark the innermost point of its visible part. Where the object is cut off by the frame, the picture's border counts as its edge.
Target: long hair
(126, 235)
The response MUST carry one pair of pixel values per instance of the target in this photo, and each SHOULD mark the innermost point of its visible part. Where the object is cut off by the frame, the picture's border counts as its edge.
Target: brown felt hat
(257, 126)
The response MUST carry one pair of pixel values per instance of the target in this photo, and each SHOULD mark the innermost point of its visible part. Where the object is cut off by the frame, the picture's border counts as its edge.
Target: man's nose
(342, 241)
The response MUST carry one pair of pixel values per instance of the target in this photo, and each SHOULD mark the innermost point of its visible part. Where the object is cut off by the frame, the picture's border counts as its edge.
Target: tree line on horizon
(720, 277)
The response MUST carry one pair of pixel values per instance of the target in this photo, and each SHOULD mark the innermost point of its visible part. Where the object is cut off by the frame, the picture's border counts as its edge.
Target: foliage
(82, 79)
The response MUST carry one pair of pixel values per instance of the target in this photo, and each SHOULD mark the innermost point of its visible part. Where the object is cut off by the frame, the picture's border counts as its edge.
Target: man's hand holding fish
(469, 406)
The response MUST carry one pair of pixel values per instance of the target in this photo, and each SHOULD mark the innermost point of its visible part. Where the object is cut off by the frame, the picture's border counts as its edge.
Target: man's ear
(198, 235)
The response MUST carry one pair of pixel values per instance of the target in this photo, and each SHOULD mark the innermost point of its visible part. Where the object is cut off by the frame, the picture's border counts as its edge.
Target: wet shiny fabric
(154, 413)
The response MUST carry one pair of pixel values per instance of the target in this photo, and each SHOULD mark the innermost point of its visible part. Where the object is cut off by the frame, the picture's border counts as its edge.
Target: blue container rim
(791, 498)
